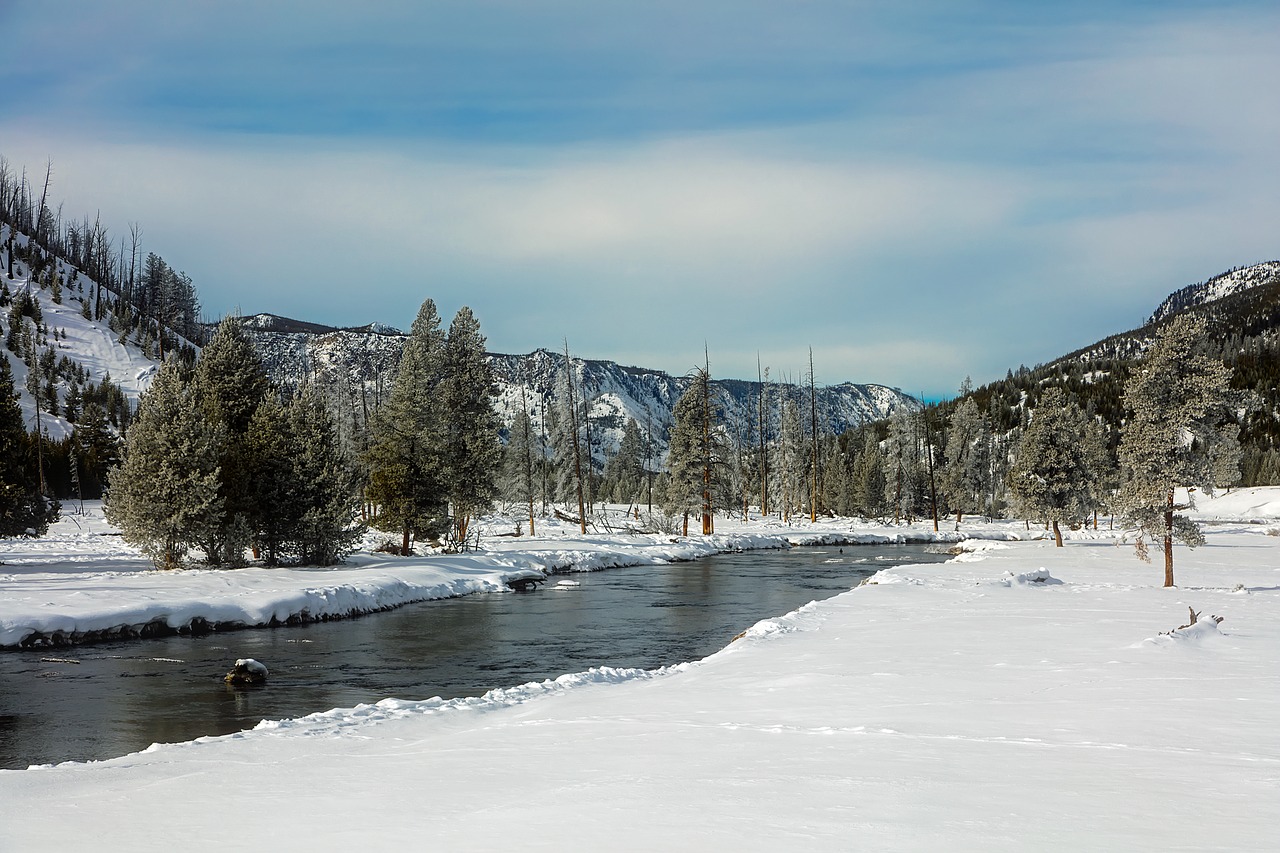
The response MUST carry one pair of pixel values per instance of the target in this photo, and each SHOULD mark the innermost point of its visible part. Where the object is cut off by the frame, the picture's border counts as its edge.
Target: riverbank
(1017, 697)
(82, 583)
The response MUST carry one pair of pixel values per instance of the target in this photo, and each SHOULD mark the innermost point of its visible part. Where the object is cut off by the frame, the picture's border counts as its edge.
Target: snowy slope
(1218, 287)
(92, 345)
(357, 367)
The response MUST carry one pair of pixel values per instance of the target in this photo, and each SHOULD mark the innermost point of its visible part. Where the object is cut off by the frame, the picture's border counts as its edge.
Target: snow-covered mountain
(1219, 287)
(357, 366)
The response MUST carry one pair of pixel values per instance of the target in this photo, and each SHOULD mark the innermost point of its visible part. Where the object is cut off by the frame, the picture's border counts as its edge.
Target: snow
(968, 705)
(91, 344)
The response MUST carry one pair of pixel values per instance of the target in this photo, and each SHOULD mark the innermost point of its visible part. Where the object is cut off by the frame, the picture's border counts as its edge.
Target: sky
(915, 191)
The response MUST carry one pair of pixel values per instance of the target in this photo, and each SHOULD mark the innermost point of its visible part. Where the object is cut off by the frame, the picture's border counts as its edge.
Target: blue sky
(919, 191)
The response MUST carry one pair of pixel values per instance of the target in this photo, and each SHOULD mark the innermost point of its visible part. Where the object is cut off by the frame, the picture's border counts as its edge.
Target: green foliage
(696, 452)
(469, 426)
(1055, 477)
(405, 465)
(166, 497)
(23, 510)
(1178, 433)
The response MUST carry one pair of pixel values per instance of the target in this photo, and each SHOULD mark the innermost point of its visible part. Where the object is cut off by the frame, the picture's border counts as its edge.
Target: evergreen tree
(273, 494)
(1054, 478)
(968, 461)
(327, 527)
(166, 497)
(905, 481)
(868, 479)
(230, 383)
(469, 425)
(406, 470)
(23, 510)
(694, 455)
(519, 460)
(624, 471)
(1177, 435)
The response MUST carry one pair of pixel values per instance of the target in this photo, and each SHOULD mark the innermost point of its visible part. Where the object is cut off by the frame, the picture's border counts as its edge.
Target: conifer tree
(624, 471)
(1178, 434)
(694, 454)
(1054, 478)
(470, 446)
(23, 510)
(868, 479)
(968, 460)
(166, 496)
(518, 460)
(273, 499)
(327, 528)
(406, 469)
(230, 383)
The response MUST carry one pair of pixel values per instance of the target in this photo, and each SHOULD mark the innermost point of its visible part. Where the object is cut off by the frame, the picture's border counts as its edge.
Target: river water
(95, 702)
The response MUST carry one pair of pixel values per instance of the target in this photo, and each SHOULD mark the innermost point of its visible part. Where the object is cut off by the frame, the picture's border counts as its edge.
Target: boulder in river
(247, 671)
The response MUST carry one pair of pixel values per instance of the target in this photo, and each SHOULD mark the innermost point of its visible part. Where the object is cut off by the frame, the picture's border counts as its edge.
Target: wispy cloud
(918, 195)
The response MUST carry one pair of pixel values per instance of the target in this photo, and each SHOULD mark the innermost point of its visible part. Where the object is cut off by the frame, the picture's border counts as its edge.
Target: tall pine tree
(470, 446)
(406, 468)
(1177, 435)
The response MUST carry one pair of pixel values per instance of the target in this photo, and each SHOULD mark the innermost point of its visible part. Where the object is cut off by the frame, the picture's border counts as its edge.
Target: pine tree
(273, 499)
(469, 425)
(868, 479)
(904, 479)
(694, 454)
(968, 467)
(327, 527)
(406, 468)
(230, 383)
(166, 495)
(23, 510)
(1178, 434)
(1054, 478)
(519, 460)
(624, 471)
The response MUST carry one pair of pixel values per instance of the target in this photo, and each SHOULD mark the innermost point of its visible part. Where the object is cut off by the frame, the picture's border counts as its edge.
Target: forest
(430, 454)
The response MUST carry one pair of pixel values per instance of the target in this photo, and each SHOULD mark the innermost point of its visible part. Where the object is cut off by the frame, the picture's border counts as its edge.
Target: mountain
(1219, 287)
(1242, 310)
(357, 366)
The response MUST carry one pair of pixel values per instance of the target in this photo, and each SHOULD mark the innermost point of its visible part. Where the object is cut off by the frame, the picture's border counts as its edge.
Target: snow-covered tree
(694, 455)
(624, 471)
(1054, 478)
(1177, 434)
(520, 460)
(406, 468)
(470, 448)
(166, 495)
(905, 480)
(968, 461)
(868, 479)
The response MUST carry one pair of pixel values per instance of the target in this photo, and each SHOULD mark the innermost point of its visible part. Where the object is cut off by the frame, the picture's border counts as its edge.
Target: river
(101, 701)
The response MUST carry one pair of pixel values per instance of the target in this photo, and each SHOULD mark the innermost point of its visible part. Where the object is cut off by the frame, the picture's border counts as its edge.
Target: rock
(247, 671)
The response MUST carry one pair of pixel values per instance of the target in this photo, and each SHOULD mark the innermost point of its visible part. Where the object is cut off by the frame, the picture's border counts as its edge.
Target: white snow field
(1019, 697)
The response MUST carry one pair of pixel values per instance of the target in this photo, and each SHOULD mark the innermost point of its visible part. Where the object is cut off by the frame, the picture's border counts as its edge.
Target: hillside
(357, 367)
(1242, 309)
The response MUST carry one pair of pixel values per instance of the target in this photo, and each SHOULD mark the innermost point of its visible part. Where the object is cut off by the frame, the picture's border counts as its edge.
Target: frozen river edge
(1017, 697)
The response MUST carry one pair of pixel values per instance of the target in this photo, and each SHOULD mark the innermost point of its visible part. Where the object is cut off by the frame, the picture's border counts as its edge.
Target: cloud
(915, 195)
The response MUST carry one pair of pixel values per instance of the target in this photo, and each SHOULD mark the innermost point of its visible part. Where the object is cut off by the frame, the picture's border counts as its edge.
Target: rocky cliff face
(356, 368)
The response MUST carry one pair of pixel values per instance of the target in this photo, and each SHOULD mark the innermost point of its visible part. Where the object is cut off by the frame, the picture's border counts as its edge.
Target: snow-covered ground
(1018, 697)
